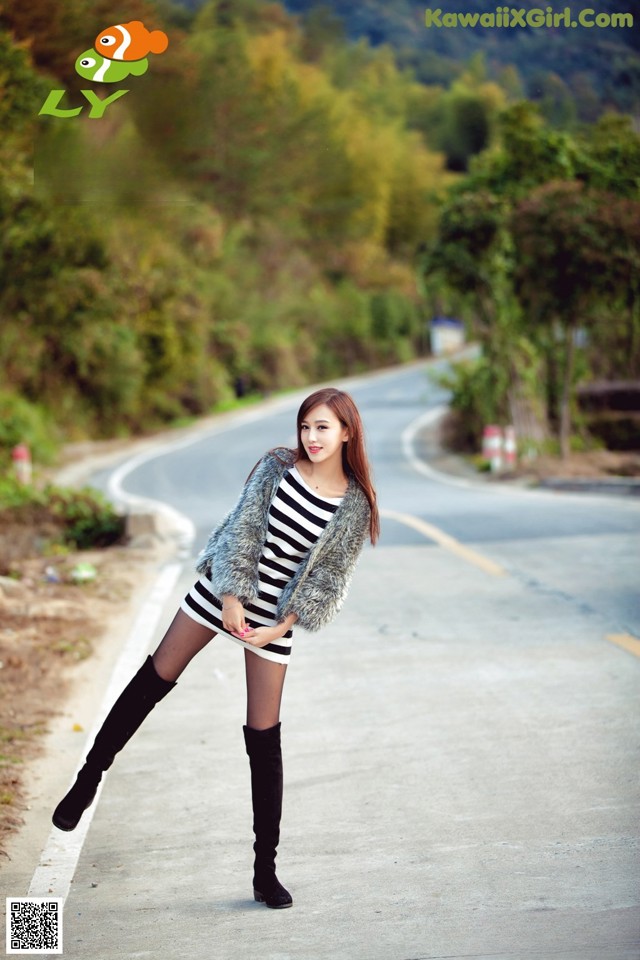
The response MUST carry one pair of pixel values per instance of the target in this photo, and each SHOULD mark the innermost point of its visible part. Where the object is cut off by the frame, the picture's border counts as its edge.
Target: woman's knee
(182, 641)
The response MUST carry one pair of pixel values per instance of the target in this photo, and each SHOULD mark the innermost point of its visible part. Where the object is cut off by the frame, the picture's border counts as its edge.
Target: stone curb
(615, 486)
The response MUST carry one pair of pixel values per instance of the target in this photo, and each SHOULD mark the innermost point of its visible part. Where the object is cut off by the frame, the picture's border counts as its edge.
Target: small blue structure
(447, 335)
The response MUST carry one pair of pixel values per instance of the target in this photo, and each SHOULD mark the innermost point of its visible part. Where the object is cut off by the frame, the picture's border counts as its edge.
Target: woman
(284, 555)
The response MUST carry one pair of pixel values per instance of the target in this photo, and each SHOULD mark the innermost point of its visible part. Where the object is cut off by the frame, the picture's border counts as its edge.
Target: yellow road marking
(444, 540)
(626, 641)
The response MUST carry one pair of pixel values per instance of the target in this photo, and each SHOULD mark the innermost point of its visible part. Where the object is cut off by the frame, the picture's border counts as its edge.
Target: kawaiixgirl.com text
(510, 17)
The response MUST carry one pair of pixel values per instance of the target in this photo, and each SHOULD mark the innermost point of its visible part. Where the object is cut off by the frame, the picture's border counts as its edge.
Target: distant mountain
(582, 56)
(597, 67)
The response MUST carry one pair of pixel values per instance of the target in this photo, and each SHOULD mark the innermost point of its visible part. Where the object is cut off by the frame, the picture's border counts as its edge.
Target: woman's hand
(233, 615)
(261, 636)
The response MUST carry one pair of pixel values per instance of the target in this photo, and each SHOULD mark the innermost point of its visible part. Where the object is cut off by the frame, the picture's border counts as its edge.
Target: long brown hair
(354, 456)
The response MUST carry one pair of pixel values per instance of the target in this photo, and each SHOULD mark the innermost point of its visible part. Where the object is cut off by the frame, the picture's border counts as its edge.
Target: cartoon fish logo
(130, 41)
(125, 47)
(92, 66)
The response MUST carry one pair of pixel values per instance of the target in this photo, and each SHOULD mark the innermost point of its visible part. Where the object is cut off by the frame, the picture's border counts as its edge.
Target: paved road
(461, 747)
(583, 549)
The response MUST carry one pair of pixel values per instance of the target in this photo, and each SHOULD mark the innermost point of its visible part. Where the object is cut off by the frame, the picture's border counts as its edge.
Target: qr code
(34, 925)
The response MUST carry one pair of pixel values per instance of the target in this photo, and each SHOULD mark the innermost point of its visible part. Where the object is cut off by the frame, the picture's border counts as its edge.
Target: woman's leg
(184, 638)
(265, 680)
(153, 681)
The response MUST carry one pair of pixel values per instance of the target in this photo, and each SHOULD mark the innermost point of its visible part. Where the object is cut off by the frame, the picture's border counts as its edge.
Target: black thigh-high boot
(265, 759)
(135, 703)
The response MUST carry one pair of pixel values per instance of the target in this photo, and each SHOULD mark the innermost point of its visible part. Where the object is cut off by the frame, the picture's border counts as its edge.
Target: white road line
(59, 859)
(408, 438)
(184, 528)
(428, 529)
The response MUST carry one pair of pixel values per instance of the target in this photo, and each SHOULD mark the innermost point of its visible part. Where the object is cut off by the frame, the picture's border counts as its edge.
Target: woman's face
(322, 434)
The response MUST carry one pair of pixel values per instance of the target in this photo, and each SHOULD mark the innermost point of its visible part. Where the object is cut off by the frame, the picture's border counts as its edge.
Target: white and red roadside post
(492, 447)
(21, 456)
(509, 447)
(499, 447)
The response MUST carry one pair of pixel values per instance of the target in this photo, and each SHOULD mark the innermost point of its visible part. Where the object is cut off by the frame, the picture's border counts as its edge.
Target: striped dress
(297, 517)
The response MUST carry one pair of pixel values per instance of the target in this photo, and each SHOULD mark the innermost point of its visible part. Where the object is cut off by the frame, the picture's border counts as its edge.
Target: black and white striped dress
(297, 517)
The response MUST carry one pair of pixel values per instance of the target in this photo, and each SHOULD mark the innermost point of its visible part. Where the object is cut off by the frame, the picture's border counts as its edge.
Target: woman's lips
(315, 449)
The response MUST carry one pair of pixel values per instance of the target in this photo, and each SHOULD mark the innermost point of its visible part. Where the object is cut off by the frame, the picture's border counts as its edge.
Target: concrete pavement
(460, 753)
(461, 781)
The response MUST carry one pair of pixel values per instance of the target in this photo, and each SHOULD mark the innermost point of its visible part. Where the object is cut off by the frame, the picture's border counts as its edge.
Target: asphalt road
(461, 745)
(582, 548)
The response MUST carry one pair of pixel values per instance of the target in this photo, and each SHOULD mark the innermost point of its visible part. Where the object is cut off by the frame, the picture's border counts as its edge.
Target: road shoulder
(47, 775)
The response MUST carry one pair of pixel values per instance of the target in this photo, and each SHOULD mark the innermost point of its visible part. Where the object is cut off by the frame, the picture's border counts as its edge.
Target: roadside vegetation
(538, 248)
(274, 204)
(284, 212)
(73, 520)
(64, 569)
(245, 220)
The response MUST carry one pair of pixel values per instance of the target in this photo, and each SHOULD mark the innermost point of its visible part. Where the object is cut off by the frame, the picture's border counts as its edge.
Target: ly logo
(119, 52)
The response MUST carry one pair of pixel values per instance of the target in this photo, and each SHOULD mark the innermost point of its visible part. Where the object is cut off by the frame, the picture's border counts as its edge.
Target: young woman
(284, 555)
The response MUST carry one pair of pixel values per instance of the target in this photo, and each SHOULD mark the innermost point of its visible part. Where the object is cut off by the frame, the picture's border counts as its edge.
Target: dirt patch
(48, 622)
(592, 464)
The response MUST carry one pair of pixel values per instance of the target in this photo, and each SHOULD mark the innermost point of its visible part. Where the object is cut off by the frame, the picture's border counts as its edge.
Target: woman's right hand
(233, 615)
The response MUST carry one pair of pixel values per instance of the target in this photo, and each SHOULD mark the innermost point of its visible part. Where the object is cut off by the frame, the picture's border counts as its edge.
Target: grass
(79, 648)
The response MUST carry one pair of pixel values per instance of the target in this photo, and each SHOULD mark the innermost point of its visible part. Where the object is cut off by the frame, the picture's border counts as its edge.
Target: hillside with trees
(236, 218)
(272, 204)
(539, 248)
(575, 74)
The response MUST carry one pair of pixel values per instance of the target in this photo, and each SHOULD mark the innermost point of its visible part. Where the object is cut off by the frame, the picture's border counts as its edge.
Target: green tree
(556, 101)
(302, 192)
(323, 32)
(576, 251)
(474, 257)
(527, 154)
(462, 120)
(610, 156)
(532, 277)
(21, 91)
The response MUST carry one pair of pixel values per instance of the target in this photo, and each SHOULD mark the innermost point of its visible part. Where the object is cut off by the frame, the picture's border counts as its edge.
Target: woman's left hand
(260, 636)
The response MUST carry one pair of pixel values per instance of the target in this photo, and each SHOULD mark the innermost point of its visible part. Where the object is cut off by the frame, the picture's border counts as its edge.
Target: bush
(474, 401)
(25, 422)
(88, 517)
(14, 495)
(84, 518)
(395, 325)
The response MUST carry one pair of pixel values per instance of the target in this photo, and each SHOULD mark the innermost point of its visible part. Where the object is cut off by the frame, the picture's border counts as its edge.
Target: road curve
(461, 744)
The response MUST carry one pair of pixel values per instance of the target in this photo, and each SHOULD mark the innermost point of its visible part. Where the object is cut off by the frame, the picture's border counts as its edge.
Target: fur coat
(318, 588)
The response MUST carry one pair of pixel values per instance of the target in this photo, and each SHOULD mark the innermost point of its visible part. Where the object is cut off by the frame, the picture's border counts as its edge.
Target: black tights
(265, 679)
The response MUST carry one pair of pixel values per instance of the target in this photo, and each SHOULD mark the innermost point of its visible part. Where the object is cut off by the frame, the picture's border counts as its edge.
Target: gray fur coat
(318, 588)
